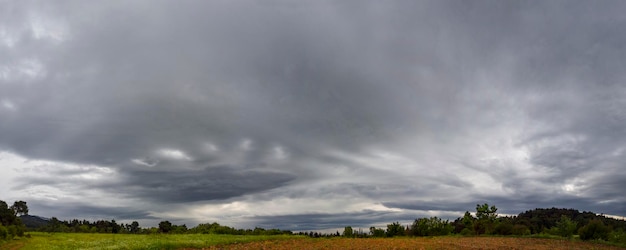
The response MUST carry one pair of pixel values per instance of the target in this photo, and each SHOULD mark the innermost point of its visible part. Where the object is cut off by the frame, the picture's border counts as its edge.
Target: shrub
(618, 236)
(12, 229)
(377, 232)
(595, 230)
(503, 228)
(520, 230)
(432, 226)
(4, 233)
(467, 232)
(395, 229)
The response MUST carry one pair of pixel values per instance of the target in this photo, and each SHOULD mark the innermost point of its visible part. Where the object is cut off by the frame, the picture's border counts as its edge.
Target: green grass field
(129, 241)
(202, 241)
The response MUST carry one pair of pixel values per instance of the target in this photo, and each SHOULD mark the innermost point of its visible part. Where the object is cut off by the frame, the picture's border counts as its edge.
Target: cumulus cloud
(408, 107)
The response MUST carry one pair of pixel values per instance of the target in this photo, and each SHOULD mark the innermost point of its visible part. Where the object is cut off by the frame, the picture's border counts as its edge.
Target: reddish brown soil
(420, 243)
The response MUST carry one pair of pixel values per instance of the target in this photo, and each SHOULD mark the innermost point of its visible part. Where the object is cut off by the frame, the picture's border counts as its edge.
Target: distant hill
(33, 221)
(540, 219)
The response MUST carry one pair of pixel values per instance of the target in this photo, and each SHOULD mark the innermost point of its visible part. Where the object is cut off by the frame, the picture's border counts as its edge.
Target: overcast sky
(307, 115)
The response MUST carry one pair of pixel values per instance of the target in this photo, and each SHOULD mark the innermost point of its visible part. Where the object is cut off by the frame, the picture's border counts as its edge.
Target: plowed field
(420, 243)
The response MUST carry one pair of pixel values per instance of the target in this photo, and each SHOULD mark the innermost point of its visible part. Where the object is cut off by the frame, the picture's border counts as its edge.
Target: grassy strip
(130, 241)
(199, 241)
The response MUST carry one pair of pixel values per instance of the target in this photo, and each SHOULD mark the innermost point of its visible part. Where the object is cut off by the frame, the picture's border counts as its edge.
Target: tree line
(10, 223)
(485, 221)
(164, 227)
(568, 223)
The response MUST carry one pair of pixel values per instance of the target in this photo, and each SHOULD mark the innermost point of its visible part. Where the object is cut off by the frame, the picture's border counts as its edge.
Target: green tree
(566, 227)
(395, 229)
(468, 219)
(115, 228)
(134, 227)
(165, 226)
(348, 232)
(484, 212)
(7, 216)
(432, 226)
(377, 232)
(83, 228)
(20, 208)
(595, 230)
(466, 224)
(9, 220)
(486, 218)
(54, 225)
(179, 229)
(503, 227)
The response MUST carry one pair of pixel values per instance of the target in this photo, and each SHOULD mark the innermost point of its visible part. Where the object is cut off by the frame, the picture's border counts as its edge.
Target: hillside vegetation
(558, 223)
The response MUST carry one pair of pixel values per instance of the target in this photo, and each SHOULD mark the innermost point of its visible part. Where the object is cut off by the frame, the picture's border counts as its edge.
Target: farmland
(212, 241)
(443, 242)
(131, 241)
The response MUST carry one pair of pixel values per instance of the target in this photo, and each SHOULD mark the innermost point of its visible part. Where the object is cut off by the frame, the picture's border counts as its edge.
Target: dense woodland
(10, 223)
(553, 222)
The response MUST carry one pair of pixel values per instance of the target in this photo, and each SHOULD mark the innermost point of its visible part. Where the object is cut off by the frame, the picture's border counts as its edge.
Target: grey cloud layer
(433, 82)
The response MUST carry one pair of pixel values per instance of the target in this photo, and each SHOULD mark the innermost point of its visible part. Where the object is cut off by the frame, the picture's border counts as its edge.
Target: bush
(432, 226)
(377, 232)
(395, 229)
(551, 231)
(12, 231)
(4, 233)
(467, 232)
(520, 230)
(20, 230)
(503, 228)
(595, 230)
(618, 236)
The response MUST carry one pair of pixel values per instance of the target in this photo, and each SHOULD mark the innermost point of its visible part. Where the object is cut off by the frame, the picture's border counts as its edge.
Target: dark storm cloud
(519, 204)
(75, 210)
(281, 97)
(213, 183)
(140, 95)
(303, 222)
(515, 204)
(166, 186)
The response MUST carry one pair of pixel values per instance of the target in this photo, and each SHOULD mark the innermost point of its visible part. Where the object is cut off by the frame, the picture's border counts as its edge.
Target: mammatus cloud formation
(312, 114)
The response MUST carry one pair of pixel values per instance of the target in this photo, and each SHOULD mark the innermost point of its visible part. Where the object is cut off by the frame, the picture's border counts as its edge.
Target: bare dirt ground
(13, 246)
(421, 243)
